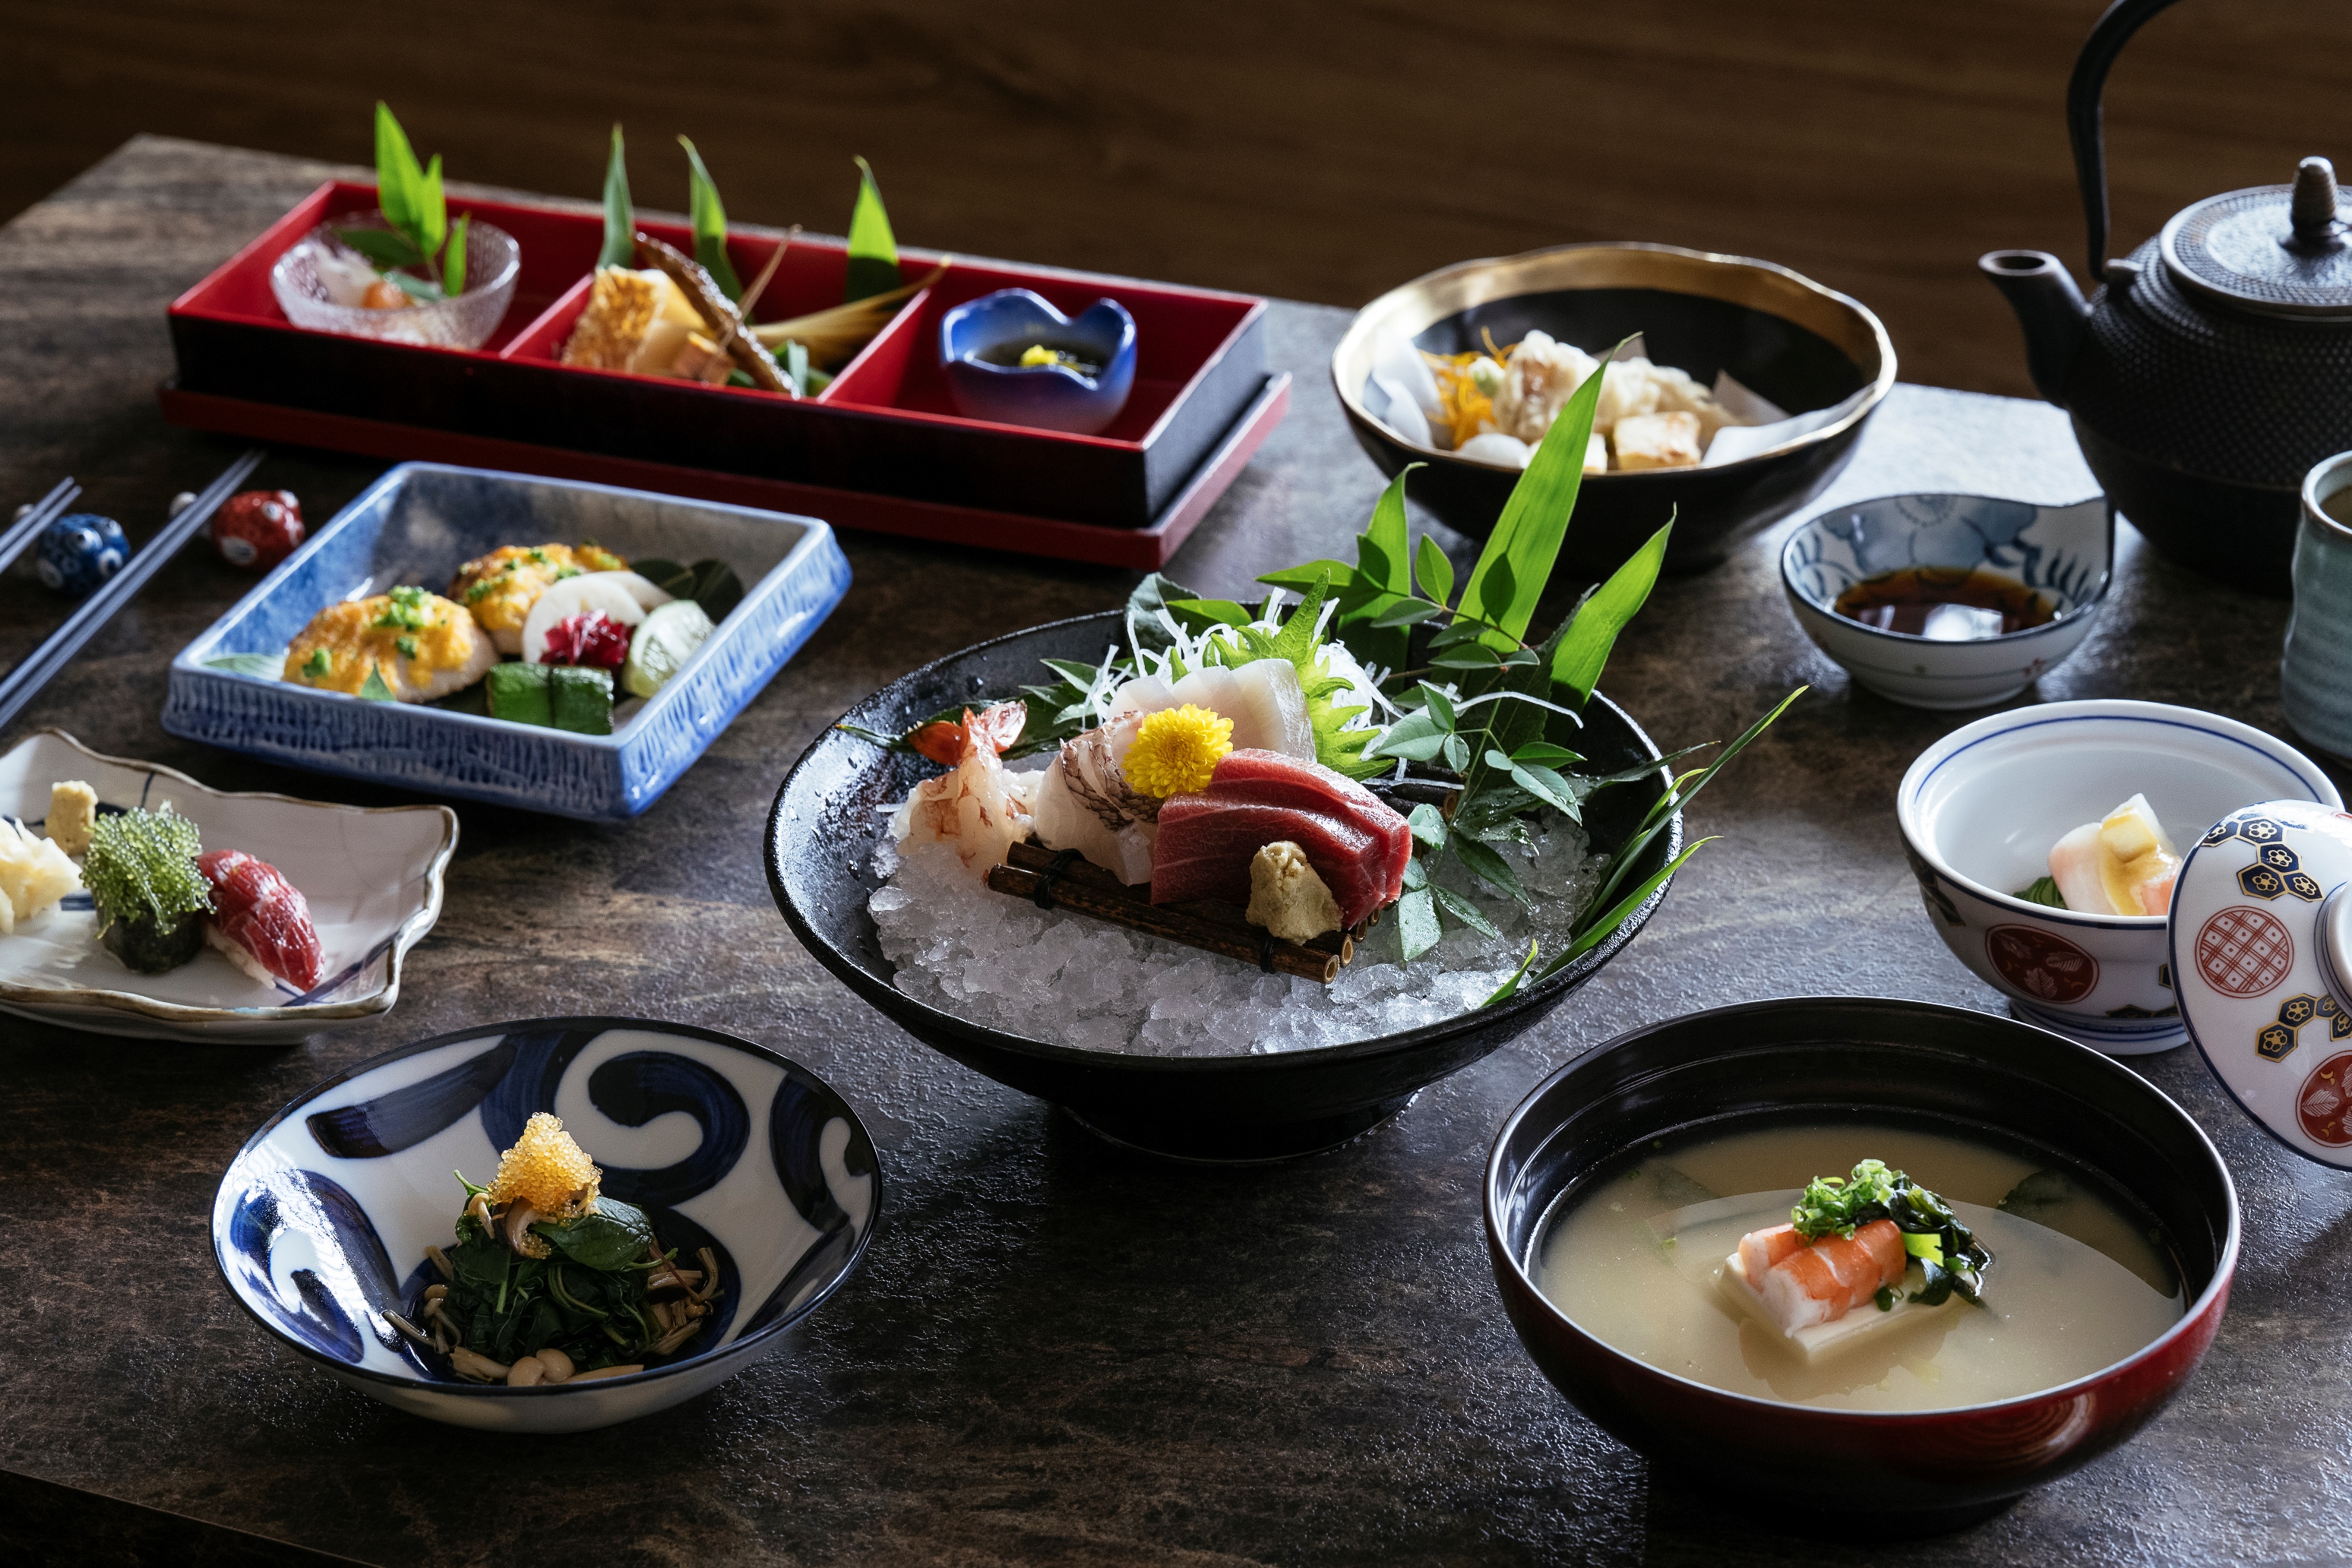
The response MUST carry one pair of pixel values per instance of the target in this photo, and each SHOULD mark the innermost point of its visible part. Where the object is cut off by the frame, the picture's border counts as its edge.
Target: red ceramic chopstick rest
(255, 530)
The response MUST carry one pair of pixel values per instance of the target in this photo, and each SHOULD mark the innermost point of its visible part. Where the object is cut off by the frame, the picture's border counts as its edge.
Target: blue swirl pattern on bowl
(321, 1222)
(2063, 553)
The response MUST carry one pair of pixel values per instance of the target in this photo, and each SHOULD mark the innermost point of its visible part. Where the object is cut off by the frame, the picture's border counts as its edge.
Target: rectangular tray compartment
(884, 428)
(417, 524)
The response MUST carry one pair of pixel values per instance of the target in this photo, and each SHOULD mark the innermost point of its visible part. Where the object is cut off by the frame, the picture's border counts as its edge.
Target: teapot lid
(2281, 250)
(2261, 931)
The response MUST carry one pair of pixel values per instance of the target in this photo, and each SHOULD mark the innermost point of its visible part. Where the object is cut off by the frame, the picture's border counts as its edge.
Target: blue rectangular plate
(418, 524)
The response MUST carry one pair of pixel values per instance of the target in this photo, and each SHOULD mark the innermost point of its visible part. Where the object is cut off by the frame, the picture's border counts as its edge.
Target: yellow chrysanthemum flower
(1176, 749)
(544, 1169)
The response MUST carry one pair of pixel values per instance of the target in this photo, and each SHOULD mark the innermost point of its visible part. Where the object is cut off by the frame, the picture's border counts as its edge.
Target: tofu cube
(1657, 441)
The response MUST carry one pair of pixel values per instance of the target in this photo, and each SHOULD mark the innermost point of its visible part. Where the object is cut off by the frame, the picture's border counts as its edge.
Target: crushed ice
(1072, 980)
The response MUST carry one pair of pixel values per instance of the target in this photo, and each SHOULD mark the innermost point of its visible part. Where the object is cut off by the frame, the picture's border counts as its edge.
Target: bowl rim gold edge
(1360, 325)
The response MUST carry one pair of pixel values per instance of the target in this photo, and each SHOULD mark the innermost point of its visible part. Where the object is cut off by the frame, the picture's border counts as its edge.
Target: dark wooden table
(1056, 1351)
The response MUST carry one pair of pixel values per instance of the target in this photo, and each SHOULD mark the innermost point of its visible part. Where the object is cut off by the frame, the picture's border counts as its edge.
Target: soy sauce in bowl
(1945, 604)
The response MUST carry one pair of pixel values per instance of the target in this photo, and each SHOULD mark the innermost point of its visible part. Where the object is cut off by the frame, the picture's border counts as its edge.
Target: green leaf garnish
(261, 665)
(452, 257)
(373, 690)
(2043, 891)
(872, 251)
(709, 218)
(620, 218)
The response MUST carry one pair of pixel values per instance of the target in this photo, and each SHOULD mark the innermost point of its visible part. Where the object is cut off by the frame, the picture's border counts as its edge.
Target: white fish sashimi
(1262, 698)
(1082, 803)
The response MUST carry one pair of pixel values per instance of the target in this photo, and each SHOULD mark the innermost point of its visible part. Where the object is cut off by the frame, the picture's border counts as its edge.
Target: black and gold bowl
(1783, 336)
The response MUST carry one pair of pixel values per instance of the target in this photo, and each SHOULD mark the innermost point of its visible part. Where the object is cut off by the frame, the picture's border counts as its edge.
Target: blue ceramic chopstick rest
(80, 550)
(1078, 382)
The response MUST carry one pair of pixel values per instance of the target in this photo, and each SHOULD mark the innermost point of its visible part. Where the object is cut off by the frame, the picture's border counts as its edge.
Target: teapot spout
(2048, 307)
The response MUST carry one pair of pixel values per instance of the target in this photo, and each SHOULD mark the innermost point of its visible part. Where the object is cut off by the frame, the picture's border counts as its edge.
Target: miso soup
(1636, 1255)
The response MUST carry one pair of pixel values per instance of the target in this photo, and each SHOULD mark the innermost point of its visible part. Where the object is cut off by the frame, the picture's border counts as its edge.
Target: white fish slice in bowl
(373, 878)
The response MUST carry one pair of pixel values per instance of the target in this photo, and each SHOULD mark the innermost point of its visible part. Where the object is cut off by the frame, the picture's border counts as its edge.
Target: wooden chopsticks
(25, 682)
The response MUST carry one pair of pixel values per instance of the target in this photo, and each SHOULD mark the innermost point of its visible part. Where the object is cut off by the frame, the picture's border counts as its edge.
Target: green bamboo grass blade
(399, 180)
(873, 250)
(1623, 861)
(432, 210)
(620, 216)
(1510, 987)
(1598, 931)
(1593, 633)
(1517, 563)
(709, 219)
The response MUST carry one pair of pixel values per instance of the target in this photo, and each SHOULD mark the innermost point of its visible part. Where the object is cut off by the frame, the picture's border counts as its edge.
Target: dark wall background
(1320, 150)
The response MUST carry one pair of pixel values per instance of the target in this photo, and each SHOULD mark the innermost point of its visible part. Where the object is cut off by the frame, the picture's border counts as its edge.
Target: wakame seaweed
(1947, 1250)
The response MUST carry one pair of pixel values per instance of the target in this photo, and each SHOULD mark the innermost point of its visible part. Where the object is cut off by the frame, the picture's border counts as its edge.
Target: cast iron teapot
(2214, 368)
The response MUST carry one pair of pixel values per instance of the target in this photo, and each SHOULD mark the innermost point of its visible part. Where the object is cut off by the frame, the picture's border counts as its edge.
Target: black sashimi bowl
(1779, 334)
(1947, 1069)
(828, 819)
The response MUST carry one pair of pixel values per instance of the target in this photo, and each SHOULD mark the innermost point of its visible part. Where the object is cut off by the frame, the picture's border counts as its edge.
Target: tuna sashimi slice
(1206, 844)
(1269, 778)
(260, 919)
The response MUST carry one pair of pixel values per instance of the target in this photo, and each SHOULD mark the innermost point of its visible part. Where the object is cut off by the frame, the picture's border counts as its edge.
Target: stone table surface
(1056, 1351)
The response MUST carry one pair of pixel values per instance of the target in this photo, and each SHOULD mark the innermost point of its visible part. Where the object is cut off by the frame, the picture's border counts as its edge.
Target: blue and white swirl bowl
(2063, 553)
(321, 1224)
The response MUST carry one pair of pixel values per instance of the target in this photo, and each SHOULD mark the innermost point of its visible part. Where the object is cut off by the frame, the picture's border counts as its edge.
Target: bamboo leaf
(1338, 573)
(1200, 614)
(1463, 909)
(872, 251)
(383, 246)
(432, 210)
(1486, 864)
(1678, 798)
(398, 179)
(453, 260)
(1527, 536)
(709, 218)
(620, 218)
(1434, 571)
(1583, 653)
(1417, 923)
(1510, 987)
(1407, 613)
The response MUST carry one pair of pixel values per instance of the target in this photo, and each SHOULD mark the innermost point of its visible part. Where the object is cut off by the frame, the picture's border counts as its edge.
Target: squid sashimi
(1206, 845)
(260, 919)
(979, 809)
(1268, 778)
(1802, 1284)
(2123, 864)
(1262, 698)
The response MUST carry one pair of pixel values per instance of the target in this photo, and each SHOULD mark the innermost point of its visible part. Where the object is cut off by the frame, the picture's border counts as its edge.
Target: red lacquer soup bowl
(1970, 1074)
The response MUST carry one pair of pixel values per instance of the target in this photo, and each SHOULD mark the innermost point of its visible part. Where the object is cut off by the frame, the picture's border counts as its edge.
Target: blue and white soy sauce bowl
(321, 1224)
(2062, 553)
(1084, 384)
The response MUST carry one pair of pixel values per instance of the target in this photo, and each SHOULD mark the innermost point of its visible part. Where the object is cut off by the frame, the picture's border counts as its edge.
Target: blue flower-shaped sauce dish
(322, 1221)
(1973, 599)
(1011, 358)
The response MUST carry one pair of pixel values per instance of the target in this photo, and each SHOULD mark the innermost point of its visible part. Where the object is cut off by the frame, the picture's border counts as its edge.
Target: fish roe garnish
(548, 1171)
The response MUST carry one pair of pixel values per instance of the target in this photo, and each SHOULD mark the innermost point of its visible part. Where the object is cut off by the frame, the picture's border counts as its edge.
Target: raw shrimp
(980, 809)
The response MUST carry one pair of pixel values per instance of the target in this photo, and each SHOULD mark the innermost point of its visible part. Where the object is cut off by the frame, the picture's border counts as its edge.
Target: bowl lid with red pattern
(2261, 953)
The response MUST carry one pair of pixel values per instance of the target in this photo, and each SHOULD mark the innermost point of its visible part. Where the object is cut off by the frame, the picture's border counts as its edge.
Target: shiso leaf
(620, 216)
(709, 218)
(873, 250)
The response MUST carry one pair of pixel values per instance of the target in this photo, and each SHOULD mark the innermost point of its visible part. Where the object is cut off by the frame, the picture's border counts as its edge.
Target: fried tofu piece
(1657, 441)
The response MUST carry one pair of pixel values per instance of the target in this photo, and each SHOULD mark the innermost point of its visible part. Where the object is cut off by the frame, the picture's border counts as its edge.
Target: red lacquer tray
(880, 449)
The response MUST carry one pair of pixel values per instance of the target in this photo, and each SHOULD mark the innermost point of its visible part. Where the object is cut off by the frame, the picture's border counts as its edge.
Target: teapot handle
(2084, 92)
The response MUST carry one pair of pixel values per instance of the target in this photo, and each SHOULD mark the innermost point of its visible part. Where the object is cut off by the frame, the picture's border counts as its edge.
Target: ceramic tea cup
(2315, 675)
(2062, 552)
(1980, 808)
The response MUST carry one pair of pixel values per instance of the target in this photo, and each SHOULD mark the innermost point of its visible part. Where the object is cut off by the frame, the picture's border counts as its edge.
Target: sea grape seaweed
(142, 874)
